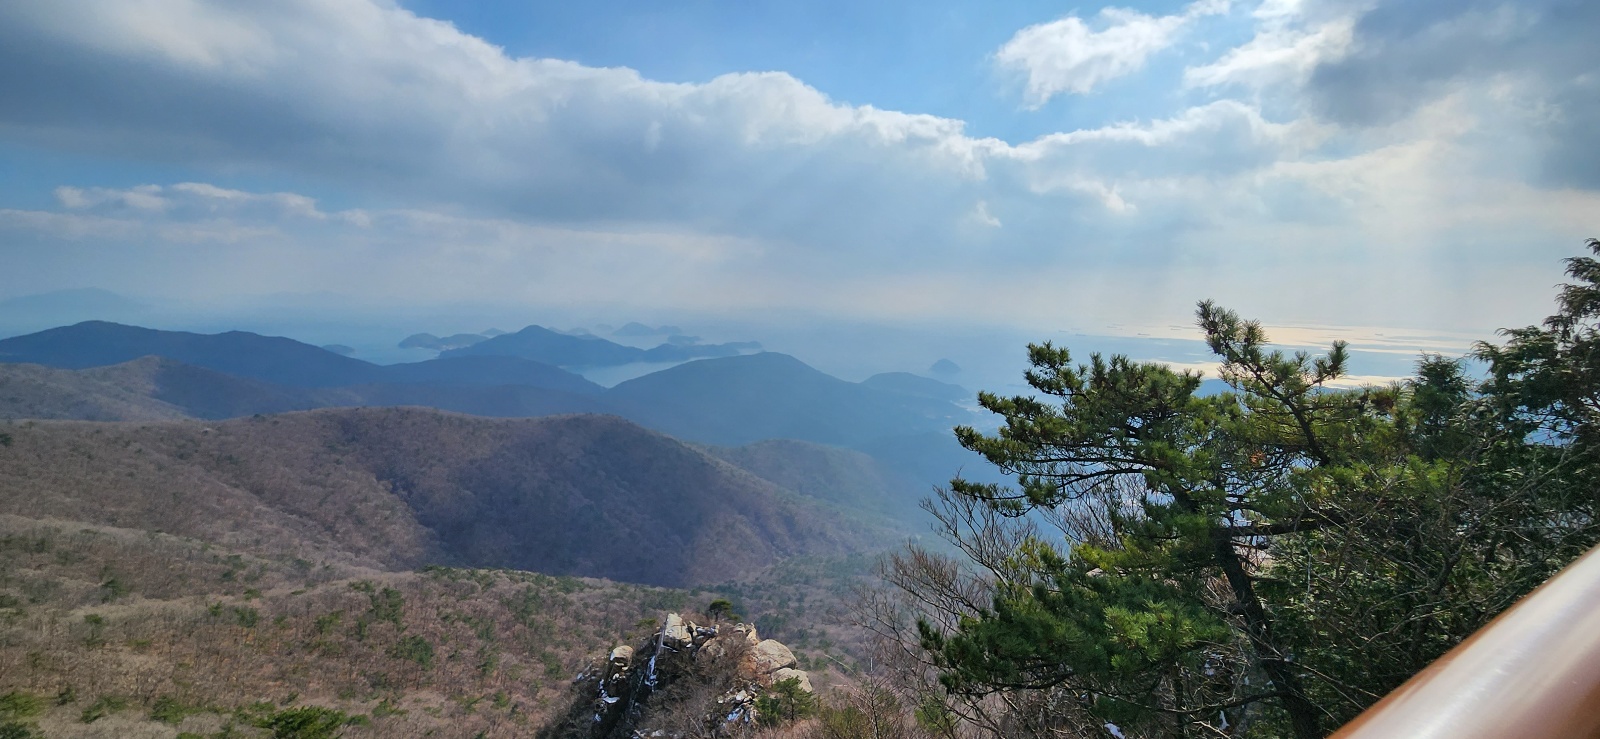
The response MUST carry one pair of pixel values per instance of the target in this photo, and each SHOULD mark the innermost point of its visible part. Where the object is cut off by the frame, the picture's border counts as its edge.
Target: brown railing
(1533, 672)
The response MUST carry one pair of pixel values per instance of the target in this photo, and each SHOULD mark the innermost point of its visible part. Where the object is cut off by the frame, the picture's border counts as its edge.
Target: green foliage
(934, 716)
(246, 616)
(488, 661)
(112, 589)
(385, 709)
(1279, 554)
(415, 649)
(327, 621)
(20, 705)
(785, 701)
(105, 706)
(721, 608)
(387, 605)
(847, 722)
(552, 665)
(869, 711)
(96, 635)
(16, 729)
(527, 606)
(16, 708)
(169, 710)
(308, 722)
(1181, 483)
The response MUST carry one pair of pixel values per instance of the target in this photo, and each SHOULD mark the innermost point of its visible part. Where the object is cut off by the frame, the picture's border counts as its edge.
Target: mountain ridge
(567, 350)
(403, 487)
(737, 400)
(901, 419)
(274, 359)
(253, 356)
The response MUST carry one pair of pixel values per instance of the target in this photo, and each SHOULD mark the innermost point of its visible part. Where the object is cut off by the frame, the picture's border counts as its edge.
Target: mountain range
(586, 350)
(394, 488)
(737, 400)
(285, 520)
(107, 371)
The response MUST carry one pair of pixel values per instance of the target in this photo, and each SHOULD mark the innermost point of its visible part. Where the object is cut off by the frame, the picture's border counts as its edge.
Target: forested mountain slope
(155, 388)
(270, 358)
(402, 487)
(843, 477)
(737, 400)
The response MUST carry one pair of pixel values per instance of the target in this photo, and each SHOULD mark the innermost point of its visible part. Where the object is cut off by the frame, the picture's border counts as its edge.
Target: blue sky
(1358, 168)
(933, 57)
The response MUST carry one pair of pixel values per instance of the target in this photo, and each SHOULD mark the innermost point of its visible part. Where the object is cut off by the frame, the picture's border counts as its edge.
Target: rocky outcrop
(769, 656)
(786, 673)
(707, 675)
(676, 632)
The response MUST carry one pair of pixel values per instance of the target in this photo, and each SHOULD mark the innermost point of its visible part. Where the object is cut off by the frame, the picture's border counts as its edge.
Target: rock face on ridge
(684, 677)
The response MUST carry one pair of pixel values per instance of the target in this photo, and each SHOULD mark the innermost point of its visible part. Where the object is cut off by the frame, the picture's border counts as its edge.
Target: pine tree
(1272, 559)
(1159, 620)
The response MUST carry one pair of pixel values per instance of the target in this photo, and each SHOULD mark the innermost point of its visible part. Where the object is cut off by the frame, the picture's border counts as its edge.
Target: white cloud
(192, 198)
(1277, 54)
(1068, 55)
(370, 97)
(981, 214)
(144, 197)
(539, 179)
(384, 101)
(1119, 165)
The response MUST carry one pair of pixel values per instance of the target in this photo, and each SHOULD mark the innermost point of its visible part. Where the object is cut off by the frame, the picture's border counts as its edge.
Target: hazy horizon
(870, 189)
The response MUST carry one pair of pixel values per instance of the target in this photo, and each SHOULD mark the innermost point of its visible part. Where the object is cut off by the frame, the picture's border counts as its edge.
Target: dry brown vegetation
(402, 487)
(119, 632)
(155, 388)
(159, 578)
(169, 576)
(98, 620)
(835, 475)
(120, 393)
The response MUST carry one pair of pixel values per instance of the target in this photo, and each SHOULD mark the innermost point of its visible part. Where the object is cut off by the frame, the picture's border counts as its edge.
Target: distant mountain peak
(271, 358)
(437, 343)
(770, 395)
(584, 351)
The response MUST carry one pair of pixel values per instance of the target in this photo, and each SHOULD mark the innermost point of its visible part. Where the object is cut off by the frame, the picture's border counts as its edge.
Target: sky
(890, 182)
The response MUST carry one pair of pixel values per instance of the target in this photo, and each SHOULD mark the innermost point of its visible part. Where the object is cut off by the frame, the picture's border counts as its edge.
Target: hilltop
(105, 371)
(272, 359)
(738, 400)
(400, 487)
(587, 350)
